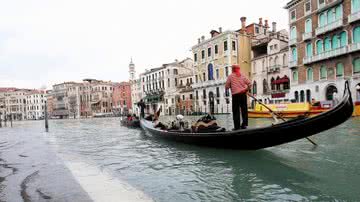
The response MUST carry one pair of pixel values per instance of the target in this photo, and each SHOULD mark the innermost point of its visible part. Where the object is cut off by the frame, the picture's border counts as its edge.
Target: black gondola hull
(259, 138)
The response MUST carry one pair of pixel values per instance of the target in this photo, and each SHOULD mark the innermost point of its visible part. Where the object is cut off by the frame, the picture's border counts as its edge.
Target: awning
(278, 95)
(285, 79)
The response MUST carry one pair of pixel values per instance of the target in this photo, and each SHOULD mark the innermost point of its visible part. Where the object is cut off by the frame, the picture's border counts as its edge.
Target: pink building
(122, 98)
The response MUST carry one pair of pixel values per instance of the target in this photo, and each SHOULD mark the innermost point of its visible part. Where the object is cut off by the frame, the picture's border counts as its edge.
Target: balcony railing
(329, 27)
(293, 63)
(274, 69)
(307, 36)
(354, 47)
(208, 83)
(354, 17)
(326, 55)
(292, 41)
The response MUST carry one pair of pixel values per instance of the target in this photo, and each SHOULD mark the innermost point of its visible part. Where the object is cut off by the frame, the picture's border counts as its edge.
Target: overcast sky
(43, 42)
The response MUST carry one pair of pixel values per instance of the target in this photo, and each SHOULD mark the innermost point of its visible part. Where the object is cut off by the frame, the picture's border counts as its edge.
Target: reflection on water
(168, 171)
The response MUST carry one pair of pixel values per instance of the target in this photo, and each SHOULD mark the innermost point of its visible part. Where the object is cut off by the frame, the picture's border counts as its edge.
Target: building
(269, 63)
(15, 103)
(121, 98)
(324, 45)
(35, 104)
(136, 90)
(213, 58)
(60, 99)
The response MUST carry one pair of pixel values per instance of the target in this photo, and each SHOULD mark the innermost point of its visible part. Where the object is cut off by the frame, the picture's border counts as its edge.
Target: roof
(291, 3)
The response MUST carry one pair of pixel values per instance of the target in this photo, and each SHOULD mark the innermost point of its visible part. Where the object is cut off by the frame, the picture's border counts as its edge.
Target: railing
(307, 36)
(275, 68)
(293, 63)
(292, 41)
(326, 55)
(354, 17)
(331, 26)
(208, 83)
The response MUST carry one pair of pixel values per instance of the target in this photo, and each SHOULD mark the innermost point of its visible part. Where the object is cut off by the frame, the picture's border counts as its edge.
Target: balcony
(354, 47)
(329, 27)
(274, 69)
(326, 55)
(307, 36)
(354, 17)
(293, 64)
(292, 42)
(208, 83)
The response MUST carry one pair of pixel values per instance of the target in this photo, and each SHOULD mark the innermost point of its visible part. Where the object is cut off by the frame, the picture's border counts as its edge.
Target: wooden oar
(274, 113)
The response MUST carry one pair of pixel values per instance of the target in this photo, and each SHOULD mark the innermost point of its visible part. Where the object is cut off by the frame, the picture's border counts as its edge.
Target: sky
(44, 42)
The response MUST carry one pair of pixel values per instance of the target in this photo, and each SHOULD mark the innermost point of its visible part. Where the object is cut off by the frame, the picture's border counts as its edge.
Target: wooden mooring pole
(46, 119)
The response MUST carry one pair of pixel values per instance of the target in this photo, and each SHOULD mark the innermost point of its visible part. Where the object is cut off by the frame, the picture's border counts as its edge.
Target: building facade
(212, 65)
(122, 103)
(35, 104)
(269, 64)
(324, 48)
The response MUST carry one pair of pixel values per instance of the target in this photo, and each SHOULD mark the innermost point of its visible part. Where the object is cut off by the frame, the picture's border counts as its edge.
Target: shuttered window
(309, 74)
(356, 65)
(339, 70)
(356, 34)
(323, 72)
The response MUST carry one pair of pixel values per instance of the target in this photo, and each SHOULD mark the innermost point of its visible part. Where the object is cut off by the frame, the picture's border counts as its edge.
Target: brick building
(121, 98)
(324, 47)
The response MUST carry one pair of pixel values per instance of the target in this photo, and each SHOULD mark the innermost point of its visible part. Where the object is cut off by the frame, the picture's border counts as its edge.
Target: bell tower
(132, 71)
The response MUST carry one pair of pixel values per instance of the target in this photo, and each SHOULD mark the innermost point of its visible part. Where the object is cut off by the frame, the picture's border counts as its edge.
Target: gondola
(130, 124)
(259, 138)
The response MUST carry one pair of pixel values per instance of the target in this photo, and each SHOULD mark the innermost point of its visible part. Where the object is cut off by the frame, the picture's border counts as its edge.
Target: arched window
(296, 96)
(330, 16)
(270, 62)
(327, 45)
(356, 65)
(323, 72)
(309, 50)
(284, 60)
(330, 90)
(293, 33)
(276, 61)
(356, 35)
(343, 39)
(295, 75)
(338, 12)
(308, 26)
(254, 90)
(265, 86)
(355, 6)
(272, 83)
(263, 65)
(277, 84)
(339, 70)
(294, 54)
(308, 95)
(322, 20)
(335, 42)
(302, 96)
(309, 74)
(286, 84)
(319, 46)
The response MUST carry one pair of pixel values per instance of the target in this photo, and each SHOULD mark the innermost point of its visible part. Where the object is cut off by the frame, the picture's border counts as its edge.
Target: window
(209, 52)
(233, 45)
(197, 95)
(339, 70)
(271, 47)
(226, 71)
(322, 20)
(355, 6)
(356, 35)
(191, 96)
(265, 86)
(356, 65)
(217, 92)
(293, 33)
(176, 81)
(295, 75)
(338, 12)
(294, 54)
(327, 44)
(343, 39)
(195, 57)
(196, 79)
(308, 26)
(202, 54)
(323, 72)
(319, 46)
(321, 3)
(204, 76)
(284, 60)
(330, 16)
(183, 97)
(254, 89)
(293, 15)
(307, 7)
(275, 46)
(216, 49)
(308, 50)
(217, 74)
(335, 42)
(225, 45)
(204, 94)
(257, 30)
(168, 83)
(309, 74)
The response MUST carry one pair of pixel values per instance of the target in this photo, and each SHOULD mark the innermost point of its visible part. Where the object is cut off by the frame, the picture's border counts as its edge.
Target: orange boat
(290, 110)
(357, 109)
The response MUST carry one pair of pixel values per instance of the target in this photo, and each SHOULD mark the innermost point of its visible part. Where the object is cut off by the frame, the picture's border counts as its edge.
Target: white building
(35, 104)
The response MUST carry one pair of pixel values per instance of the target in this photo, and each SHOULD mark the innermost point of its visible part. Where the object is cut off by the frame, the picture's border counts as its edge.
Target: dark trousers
(239, 102)
(142, 113)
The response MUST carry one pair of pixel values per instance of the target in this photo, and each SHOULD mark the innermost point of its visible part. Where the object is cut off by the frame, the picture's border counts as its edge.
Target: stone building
(60, 99)
(269, 64)
(15, 103)
(35, 104)
(121, 98)
(213, 58)
(324, 47)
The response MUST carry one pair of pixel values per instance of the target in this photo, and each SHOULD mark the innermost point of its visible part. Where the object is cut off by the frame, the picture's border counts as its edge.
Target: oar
(278, 115)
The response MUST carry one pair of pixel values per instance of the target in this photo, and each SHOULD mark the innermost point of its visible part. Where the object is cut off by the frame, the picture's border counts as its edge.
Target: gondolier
(239, 86)
(142, 106)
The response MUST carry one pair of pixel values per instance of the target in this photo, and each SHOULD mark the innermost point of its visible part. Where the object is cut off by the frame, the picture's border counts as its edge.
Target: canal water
(98, 160)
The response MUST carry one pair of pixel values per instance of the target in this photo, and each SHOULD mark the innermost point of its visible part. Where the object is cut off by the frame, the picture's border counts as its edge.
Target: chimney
(274, 26)
(220, 29)
(260, 21)
(266, 24)
(199, 41)
(243, 23)
(202, 38)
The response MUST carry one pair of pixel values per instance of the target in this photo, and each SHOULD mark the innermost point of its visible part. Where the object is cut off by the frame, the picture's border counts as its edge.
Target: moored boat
(135, 123)
(259, 138)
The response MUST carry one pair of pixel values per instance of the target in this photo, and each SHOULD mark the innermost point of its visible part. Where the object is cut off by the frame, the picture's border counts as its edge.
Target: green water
(168, 171)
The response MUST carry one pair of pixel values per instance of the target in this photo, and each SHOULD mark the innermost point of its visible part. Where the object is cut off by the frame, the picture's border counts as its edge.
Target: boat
(357, 109)
(290, 110)
(269, 136)
(130, 123)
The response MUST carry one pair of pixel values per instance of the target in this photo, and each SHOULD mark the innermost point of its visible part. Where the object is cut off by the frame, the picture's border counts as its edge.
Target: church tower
(132, 71)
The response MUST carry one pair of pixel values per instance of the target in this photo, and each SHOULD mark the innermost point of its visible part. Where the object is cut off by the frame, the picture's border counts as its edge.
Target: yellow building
(213, 58)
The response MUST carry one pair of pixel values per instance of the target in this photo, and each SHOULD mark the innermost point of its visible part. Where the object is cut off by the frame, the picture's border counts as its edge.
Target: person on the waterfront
(239, 86)
(142, 106)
